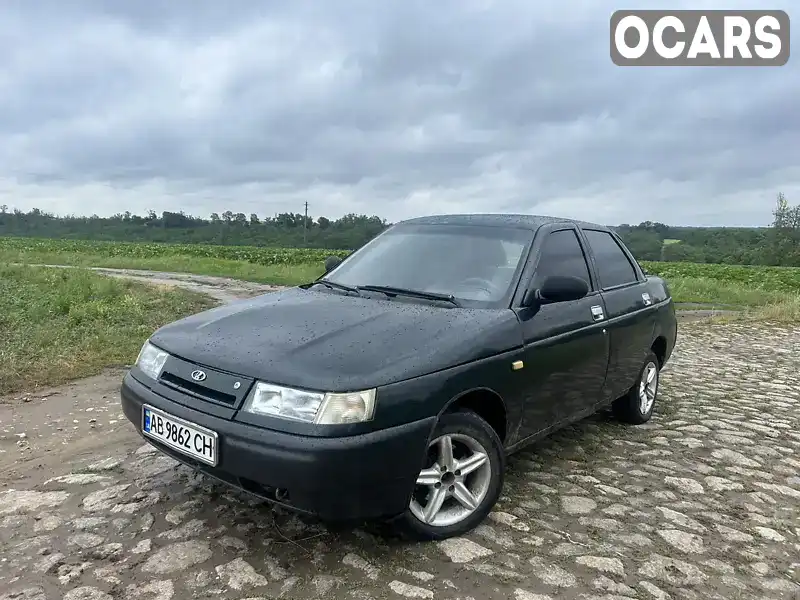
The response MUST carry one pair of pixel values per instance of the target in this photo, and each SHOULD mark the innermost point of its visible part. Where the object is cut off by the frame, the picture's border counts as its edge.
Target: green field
(781, 279)
(60, 324)
(768, 292)
(279, 266)
(764, 293)
(141, 251)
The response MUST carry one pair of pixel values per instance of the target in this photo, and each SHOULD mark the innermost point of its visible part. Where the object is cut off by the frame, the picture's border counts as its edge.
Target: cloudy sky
(391, 107)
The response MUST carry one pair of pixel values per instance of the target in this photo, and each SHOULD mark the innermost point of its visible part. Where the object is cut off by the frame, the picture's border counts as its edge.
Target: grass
(758, 292)
(760, 278)
(276, 274)
(57, 324)
(783, 312)
(752, 304)
(259, 255)
(722, 294)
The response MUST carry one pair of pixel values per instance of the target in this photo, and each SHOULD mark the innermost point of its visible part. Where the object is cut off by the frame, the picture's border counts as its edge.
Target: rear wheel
(637, 405)
(461, 479)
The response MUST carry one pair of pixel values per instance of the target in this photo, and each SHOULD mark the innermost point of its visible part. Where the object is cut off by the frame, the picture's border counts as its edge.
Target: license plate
(183, 436)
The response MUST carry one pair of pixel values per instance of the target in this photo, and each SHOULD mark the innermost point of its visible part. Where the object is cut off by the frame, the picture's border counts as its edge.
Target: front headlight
(348, 407)
(311, 407)
(151, 360)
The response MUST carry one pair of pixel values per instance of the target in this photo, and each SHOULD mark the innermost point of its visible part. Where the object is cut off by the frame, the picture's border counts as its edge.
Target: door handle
(646, 299)
(597, 313)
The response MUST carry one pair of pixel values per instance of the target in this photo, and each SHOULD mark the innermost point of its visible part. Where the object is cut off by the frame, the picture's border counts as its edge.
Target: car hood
(329, 341)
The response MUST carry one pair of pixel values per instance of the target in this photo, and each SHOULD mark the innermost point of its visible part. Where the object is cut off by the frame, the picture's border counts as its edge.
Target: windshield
(472, 263)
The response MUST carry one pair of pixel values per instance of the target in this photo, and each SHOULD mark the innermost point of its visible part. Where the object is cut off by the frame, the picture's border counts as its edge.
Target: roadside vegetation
(61, 324)
(276, 267)
(760, 293)
(758, 290)
(257, 255)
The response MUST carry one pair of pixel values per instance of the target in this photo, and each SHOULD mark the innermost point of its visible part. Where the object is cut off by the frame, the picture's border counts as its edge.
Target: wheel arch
(486, 403)
(659, 348)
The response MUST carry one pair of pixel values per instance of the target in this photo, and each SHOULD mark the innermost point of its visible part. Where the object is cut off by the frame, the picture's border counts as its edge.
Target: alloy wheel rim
(648, 386)
(454, 482)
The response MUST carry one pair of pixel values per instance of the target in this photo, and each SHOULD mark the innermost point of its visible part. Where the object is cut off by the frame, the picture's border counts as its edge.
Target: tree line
(286, 230)
(778, 244)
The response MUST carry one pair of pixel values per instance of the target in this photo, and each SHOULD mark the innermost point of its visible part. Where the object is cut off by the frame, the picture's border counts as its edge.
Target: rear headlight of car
(312, 407)
(151, 360)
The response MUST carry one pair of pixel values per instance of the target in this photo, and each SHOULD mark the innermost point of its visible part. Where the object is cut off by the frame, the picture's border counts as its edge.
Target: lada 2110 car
(395, 386)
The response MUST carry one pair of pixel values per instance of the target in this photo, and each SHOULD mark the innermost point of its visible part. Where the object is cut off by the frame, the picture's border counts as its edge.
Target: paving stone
(699, 503)
(177, 557)
(577, 505)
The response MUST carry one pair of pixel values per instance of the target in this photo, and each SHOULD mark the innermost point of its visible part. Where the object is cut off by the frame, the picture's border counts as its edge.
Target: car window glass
(474, 263)
(613, 266)
(561, 254)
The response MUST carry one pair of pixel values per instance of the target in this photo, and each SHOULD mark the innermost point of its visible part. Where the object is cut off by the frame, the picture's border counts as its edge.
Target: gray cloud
(396, 108)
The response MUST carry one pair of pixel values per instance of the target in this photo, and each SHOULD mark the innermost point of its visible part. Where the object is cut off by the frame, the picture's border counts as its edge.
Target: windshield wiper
(336, 286)
(397, 291)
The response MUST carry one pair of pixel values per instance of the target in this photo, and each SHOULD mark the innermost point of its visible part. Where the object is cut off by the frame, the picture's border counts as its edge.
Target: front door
(566, 346)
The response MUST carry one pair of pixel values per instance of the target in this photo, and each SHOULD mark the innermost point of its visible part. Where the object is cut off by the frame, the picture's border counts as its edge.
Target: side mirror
(560, 288)
(331, 263)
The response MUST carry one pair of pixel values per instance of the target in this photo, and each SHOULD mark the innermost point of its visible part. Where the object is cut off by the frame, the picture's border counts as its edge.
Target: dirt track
(223, 289)
(703, 502)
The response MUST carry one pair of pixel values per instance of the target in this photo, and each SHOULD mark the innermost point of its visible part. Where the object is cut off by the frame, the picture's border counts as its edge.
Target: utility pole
(305, 225)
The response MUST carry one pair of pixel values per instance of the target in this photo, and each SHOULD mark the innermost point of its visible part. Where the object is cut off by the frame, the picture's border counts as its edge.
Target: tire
(469, 433)
(632, 407)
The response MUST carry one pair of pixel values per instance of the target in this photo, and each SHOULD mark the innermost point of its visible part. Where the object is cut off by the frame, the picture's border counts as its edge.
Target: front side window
(613, 266)
(472, 262)
(561, 254)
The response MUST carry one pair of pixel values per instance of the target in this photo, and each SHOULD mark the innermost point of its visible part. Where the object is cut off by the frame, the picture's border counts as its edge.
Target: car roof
(532, 222)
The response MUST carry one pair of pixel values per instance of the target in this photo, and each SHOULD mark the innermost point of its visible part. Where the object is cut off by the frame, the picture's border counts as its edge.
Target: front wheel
(460, 481)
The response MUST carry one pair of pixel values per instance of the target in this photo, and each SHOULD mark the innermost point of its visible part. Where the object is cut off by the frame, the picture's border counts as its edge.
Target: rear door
(628, 319)
(566, 348)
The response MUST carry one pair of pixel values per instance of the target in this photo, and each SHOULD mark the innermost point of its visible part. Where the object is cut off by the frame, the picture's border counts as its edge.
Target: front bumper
(361, 477)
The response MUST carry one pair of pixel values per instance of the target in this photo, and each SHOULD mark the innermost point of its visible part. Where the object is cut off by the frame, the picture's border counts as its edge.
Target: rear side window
(613, 266)
(562, 255)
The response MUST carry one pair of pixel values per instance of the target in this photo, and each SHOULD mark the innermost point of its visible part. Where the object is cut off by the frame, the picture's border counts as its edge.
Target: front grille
(202, 391)
(221, 388)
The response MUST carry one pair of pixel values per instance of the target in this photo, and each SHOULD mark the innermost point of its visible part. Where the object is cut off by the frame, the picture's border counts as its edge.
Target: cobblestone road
(702, 502)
